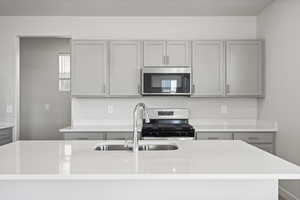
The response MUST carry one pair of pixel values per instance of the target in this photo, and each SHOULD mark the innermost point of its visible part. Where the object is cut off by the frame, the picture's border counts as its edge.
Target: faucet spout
(137, 109)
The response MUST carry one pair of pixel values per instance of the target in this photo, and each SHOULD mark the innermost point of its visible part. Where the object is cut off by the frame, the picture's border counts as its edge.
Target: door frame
(17, 102)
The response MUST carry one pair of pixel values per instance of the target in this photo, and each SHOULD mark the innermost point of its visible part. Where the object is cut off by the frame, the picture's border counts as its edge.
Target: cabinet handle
(193, 89)
(139, 89)
(167, 60)
(253, 138)
(227, 89)
(213, 138)
(163, 59)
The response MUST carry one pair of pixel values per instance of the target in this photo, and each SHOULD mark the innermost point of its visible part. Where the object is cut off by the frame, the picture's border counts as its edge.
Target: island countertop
(77, 160)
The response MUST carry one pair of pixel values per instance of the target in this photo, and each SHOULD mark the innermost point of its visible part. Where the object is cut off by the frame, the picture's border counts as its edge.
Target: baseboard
(286, 195)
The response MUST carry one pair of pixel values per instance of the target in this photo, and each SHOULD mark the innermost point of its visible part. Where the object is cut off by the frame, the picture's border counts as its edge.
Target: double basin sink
(142, 147)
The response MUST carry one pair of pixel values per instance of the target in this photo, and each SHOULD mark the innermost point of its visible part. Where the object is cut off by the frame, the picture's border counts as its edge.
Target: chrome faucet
(137, 108)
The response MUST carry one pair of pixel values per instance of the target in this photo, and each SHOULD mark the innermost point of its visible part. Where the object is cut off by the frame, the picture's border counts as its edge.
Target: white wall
(279, 25)
(95, 111)
(108, 28)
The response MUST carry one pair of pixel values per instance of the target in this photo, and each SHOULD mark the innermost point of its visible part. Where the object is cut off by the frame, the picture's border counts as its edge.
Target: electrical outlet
(9, 108)
(224, 109)
(47, 107)
(110, 109)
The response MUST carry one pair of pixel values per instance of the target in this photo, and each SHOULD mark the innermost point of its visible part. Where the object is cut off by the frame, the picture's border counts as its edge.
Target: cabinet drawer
(266, 147)
(5, 141)
(119, 136)
(6, 131)
(84, 136)
(214, 136)
(255, 138)
(5, 136)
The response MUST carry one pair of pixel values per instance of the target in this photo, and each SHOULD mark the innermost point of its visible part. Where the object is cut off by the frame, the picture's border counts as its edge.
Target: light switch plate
(110, 109)
(224, 109)
(9, 108)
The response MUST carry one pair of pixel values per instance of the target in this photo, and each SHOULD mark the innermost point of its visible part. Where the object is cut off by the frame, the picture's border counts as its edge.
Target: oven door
(168, 138)
(166, 81)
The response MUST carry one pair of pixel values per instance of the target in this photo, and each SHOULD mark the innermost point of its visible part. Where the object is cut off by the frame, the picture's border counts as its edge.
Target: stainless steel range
(168, 124)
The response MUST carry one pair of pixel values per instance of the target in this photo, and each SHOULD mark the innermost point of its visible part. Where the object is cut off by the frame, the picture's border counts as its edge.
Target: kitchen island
(212, 170)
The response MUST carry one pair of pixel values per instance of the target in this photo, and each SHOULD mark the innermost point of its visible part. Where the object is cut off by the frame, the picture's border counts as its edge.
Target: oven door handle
(168, 138)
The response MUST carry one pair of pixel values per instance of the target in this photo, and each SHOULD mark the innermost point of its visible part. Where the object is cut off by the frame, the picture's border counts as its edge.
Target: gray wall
(280, 26)
(39, 88)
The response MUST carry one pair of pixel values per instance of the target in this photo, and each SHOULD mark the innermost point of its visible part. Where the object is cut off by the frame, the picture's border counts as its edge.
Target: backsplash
(105, 110)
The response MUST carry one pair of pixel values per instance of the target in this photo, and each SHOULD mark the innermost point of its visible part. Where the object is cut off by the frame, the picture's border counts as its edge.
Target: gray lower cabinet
(119, 136)
(264, 141)
(266, 147)
(214, 136)
(5, 136)
(84, 136)
(98, 136)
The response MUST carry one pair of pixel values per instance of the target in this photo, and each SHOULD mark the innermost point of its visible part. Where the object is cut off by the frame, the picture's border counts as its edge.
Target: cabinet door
(84, 136)
(255, 138)
(89, 62)
(244, 64)
(178, 53)
(119, 136)
(266, 147)
(154, 53)
(124, 68)
(208, 68)
(214, 136)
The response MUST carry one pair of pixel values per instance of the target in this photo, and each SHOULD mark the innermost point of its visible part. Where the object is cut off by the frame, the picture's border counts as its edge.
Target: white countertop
(70, 160)
(98, 128)
(200, 126)
(5, 126)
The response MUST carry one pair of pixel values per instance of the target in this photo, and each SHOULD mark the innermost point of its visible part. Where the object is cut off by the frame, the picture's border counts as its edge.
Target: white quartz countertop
(5, 126)
(239, 126)
(77, 160)
(98, 128)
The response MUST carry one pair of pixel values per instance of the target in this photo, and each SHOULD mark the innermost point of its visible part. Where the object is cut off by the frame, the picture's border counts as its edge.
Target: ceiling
(132, 7)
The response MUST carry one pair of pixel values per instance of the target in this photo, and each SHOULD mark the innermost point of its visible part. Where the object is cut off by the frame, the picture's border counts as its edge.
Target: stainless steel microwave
(166, 81)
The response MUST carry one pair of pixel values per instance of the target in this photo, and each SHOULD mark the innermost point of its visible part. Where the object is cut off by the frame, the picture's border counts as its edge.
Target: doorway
(45, 100)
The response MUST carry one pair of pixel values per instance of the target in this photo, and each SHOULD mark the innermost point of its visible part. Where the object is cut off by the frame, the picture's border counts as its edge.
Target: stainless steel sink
(143, 147)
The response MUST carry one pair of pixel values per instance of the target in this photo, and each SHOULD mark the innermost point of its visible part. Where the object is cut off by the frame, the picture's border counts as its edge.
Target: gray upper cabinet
(244, 68)
(89, 67)
(220, 68)
(167, 53)
(208, 68)
(154, 53)
(178, 53)
(124, 68)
